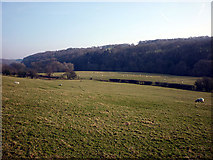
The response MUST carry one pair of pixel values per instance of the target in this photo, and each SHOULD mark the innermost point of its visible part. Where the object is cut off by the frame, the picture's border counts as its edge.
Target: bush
(71, 75)
(22, 74)
(204, 84)
(6, 72)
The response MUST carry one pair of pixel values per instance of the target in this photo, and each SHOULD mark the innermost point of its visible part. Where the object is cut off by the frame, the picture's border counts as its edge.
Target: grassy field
(97, 75)
(92, 119)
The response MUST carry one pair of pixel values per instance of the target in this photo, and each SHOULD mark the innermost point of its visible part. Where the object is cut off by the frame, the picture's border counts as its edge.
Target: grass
(92, 119)
(97, 75)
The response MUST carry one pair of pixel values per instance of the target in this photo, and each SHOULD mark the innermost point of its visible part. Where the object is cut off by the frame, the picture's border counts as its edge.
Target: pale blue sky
(32, 27)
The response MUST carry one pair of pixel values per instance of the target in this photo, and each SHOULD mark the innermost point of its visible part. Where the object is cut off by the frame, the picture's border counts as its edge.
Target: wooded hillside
(191, 56)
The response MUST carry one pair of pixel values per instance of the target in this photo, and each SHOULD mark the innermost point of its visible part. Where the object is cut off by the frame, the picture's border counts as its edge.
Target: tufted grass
(92, 119)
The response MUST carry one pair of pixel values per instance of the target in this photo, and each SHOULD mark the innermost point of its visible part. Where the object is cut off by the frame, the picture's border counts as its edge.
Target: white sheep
(16, 82)
(200, 100)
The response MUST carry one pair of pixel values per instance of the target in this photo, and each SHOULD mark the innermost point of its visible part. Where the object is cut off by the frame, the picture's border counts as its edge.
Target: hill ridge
(179, 56)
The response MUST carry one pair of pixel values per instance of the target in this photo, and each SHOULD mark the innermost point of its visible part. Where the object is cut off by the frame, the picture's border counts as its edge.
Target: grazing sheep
(16, 82)
(60, 84)
(200, 100)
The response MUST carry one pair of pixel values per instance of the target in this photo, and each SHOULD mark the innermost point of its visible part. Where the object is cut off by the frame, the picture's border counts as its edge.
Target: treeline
(18, 69)
(205, 84)
(185, 57)
(48, 66)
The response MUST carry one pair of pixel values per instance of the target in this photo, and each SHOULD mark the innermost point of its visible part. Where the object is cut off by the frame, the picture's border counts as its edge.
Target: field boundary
(160, 84)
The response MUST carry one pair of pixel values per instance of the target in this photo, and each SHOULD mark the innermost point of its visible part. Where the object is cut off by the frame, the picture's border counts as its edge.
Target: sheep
(60, 84)
(200, 100)
(16, 82)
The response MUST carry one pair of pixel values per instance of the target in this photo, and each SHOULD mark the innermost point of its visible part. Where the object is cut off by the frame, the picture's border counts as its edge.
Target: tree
(71, 75)
(68, 67)
(32, 73)
(49, 70)
(204, 84)
(6, 70)
(203, 68)
(18, 67)
(191, 56)
(181, 68)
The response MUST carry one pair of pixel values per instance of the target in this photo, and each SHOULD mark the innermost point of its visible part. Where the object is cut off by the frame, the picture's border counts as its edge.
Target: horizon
(30, 28)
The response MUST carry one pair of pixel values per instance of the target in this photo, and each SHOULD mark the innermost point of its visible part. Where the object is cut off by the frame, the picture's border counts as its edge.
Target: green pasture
(93, 119)
(99, 75)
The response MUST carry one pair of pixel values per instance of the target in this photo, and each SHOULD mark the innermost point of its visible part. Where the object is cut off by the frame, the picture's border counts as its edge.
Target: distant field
(93, 119)
(136, 76)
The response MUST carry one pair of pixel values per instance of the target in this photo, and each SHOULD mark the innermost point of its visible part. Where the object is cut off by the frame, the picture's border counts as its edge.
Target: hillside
(86, 119)
(185, 57)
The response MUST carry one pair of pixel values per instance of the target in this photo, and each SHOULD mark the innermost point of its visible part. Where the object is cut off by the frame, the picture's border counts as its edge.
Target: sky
(33, 27)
